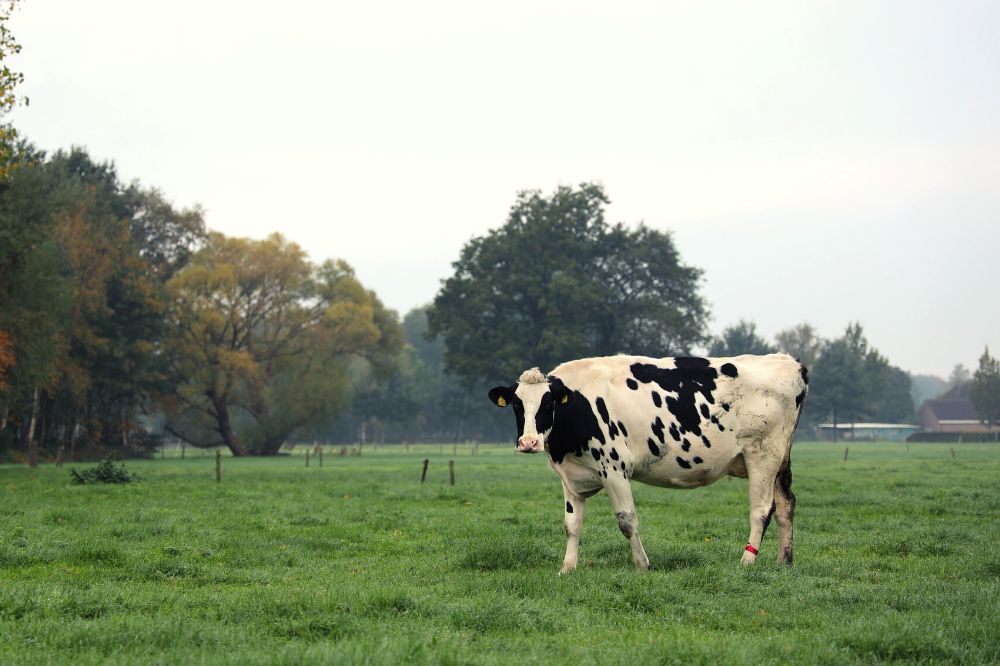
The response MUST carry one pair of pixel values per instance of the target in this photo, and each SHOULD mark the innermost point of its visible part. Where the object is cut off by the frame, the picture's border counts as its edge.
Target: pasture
(896, 559)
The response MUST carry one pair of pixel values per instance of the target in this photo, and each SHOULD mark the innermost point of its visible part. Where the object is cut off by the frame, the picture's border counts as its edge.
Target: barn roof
(952, 410)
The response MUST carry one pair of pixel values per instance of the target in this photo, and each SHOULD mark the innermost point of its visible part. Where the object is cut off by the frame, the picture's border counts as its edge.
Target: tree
(852, 382)
(801, 342)
(260, 340)
(557, 282)
(740, 338)
(9, 80)
(839, 389)
(959, 375)
(985, 390)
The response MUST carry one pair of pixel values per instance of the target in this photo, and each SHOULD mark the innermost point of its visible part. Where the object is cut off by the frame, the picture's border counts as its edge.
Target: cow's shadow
(660, 559)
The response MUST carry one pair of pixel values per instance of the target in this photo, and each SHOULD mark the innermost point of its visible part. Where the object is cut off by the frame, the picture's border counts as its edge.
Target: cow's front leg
(620, 494)
(573, 521)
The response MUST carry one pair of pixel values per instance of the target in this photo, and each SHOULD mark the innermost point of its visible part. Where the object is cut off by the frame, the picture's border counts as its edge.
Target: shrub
(105, 472)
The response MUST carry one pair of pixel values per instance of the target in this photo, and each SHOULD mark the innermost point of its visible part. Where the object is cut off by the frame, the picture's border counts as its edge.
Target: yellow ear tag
(501, 402)
(565, 399)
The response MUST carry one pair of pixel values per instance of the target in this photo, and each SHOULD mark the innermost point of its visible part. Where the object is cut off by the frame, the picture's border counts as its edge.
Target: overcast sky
(823, 162)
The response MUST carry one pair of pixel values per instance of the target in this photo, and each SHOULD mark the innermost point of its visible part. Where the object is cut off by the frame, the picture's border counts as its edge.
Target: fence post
(183, 448)
(451, 471)
(320, 456)
(423, 474)
(845, 453)
(218, 466)
(307, 457)
(953, 453)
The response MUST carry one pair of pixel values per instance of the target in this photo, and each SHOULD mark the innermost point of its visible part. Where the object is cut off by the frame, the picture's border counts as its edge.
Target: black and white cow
(673, 422)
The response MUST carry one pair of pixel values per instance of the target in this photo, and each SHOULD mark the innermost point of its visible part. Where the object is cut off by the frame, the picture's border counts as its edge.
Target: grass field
(896, 558)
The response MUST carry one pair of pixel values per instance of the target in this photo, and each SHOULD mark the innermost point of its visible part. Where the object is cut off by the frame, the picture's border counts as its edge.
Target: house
(952, 412)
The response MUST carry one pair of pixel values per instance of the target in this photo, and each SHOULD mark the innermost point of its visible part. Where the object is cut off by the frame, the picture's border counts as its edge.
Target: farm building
(873, 432)
(952, 412)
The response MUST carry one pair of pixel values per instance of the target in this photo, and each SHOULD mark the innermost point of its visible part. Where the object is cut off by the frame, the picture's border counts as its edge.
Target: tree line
(124, 320)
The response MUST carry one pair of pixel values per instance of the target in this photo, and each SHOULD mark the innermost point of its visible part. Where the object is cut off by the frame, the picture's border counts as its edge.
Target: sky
(825, 162)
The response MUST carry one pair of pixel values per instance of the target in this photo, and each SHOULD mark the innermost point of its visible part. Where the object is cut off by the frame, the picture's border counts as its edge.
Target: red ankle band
(751, 549)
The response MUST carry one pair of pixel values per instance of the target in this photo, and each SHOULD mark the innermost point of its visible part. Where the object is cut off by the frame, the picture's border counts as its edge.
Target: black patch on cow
(799, 398)
(725, 406)
(621, 427)
(602, 409)
(728, 369)
(674, 433)
(804, 373)
(614, 454)
(686, 446)
(657, 401)
(612, 430)
(596, 454)
(767, 519)
(785, 481)
(690, 377)
(545, 415)
(683, 463)
(708, 444)
(569, 508)
(573, 427)
(704, 412)
(632, 384)
(653, 448)
(518, 408)
(658, 429)
(698, 460)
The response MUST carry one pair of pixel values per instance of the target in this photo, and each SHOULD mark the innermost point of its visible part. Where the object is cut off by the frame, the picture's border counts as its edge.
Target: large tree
(985, 390)
(558, 282)
(801, 341)
(740, 338)
(260, 341)
(852, 381)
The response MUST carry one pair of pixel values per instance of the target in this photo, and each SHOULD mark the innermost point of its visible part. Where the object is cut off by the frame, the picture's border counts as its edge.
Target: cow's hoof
(565, 570)
(748, 559)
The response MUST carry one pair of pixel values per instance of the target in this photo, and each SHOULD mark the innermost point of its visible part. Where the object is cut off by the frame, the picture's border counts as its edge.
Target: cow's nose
(528, 444)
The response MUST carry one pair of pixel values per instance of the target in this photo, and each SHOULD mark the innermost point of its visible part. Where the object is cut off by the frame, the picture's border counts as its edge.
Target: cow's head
(535, 399)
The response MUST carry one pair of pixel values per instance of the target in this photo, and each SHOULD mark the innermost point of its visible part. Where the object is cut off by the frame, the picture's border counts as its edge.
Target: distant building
(952, 412)
(872, 432)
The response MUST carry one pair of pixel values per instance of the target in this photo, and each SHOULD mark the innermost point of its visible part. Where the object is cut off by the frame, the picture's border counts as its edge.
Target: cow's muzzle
(529, 444)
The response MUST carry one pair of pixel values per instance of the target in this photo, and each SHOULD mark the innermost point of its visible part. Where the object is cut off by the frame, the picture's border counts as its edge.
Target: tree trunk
(226, 429)
(32, 445)
(73, 434)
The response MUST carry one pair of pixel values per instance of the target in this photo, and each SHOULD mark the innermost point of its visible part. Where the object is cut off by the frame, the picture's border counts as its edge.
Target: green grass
(896, 559)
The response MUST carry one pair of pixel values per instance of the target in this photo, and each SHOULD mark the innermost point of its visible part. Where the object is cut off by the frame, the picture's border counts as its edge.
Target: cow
(680, 422)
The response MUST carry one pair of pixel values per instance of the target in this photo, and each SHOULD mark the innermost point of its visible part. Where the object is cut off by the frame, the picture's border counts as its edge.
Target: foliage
(853, 382)
(9, 80)
(82, 298)
(926, 387)
(802, 342)
(260, 340)
(959, 375)
(357, 562)
(740, 338)
(985, 390)
(105, 472)
(557, 282)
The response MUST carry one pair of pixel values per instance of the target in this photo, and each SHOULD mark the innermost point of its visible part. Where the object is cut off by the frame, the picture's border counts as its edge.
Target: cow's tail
(800, 398)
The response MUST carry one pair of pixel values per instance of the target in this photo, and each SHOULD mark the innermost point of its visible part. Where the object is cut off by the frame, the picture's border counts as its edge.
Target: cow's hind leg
(784, 502)
(620, 494)
(573, 522)
(761, 472)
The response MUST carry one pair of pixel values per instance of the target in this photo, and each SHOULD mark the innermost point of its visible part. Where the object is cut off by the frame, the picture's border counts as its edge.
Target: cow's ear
(501, 396)
(560, 394)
